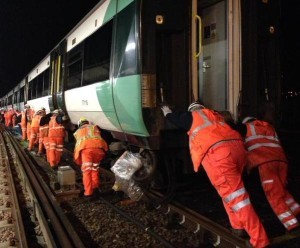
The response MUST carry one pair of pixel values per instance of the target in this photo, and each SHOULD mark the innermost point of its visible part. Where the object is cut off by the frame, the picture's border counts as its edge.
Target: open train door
(56, 98)
(217, 48)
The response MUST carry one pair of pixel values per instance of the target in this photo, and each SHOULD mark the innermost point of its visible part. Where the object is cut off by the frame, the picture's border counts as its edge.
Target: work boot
(295, 230)
(240, 233)
(89, 198)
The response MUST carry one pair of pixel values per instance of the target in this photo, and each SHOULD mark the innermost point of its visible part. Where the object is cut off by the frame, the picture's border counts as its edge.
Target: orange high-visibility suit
(89, 151)
(8, 118)
(265, 151)
(34, 134)
(56, 136)
(14, 118)
(44, 130)
(29, 115)
(43, 139)
(221, 152)
(24, 125)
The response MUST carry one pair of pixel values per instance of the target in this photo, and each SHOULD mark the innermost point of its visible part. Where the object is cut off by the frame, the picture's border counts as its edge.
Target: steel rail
(58, 230)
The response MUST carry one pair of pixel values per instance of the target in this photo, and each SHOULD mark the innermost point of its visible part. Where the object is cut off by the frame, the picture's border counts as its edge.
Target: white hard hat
(248, 119)
(194, 106)
(27, 106)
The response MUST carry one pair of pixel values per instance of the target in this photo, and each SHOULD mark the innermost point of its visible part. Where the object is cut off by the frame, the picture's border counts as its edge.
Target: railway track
(51, 227)
(112, 220)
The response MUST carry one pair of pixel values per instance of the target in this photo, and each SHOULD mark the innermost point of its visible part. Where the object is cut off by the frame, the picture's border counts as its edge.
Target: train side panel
(128, 105)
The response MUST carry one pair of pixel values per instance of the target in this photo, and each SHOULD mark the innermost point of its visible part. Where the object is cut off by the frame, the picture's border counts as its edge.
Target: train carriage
(127, 58)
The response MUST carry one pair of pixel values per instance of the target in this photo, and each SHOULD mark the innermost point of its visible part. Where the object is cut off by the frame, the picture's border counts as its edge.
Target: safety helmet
(56, 111)
(82, 121)
(195, 106)
(248, 119)
(27, 106)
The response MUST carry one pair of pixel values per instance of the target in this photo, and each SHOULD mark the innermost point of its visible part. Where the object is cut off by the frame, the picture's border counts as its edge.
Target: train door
(56, 98)
(217, 53)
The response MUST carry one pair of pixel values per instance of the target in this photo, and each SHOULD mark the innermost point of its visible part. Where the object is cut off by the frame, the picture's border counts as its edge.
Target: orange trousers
(24, 131)
(34, 137)
(224, 164)
(273, 176)
(46, 145)
(28, 131)
(91, 158)
(55, 151)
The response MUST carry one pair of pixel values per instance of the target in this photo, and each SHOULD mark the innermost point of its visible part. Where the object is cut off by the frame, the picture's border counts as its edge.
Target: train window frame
(46, 79)
(22, 96)
(29, 90)
(126, 41)
(40, 85)
(15, 98)
(34, 88)
(74, 58)
(9, 100)
(97, 55)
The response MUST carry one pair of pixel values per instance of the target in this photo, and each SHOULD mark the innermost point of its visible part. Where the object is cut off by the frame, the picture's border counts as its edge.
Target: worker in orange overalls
(221, 152)
(35, 129)
(29, 115)
(56, 136)
(24, 123)
(89, 150)
(8, 118)
(266, 153)
(15, 117)
(44, 130)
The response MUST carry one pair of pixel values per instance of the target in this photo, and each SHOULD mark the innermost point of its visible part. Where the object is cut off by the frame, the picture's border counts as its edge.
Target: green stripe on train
(125, 109)
(111, 10)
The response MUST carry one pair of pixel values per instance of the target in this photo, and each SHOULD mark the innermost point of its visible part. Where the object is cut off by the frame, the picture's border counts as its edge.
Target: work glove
(166, 110)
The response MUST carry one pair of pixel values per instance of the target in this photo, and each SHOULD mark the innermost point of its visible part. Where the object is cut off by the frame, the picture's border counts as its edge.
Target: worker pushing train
(221, 152)
(44, 130)
(35, 129)
(56, 136)
(89, 150)
(266, 153)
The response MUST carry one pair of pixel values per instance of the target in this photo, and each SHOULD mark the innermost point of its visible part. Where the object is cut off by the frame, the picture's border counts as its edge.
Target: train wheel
(146, 173)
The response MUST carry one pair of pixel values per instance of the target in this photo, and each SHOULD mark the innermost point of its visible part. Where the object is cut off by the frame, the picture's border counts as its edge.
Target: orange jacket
(262, 144)
(55, 129)
(23, 119)
(36, 121)
(88, 136)
(208, 129)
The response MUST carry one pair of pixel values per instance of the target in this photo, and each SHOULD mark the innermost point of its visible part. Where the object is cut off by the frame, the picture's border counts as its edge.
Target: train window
(22, 94)
(39, 85)
(34, 88)
(74, 68)
(15, 99)
(97, 49)
(125, 60)
(9, 100)
(29, 90)
(46, 89)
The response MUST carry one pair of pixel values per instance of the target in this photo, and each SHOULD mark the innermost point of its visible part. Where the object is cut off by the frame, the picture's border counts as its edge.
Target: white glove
(166, 110)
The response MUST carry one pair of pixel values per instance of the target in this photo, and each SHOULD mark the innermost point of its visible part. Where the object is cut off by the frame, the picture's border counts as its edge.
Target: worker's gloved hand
(166, 110)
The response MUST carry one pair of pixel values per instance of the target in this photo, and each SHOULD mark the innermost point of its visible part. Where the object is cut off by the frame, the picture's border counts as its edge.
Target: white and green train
(128, 57)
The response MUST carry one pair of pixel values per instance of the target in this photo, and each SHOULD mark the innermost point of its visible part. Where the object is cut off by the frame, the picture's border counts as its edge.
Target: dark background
(30, 29)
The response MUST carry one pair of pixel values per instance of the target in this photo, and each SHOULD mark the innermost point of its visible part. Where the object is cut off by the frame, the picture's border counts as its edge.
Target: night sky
(30, 29)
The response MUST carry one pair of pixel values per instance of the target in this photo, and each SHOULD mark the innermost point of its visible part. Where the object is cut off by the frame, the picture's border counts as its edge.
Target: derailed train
(128, 57)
